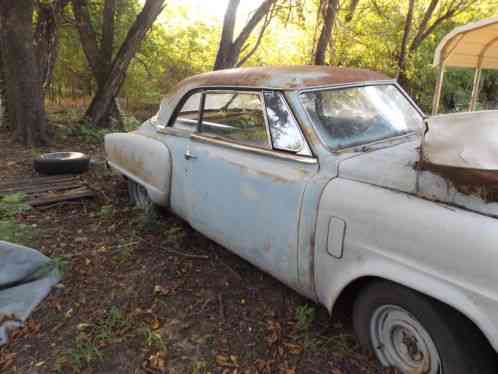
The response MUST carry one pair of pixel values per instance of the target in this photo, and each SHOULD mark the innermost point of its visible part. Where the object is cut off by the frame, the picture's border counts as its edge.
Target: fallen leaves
(157, 361)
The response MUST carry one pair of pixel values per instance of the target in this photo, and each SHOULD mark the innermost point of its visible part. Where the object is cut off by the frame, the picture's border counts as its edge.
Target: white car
(333, 181)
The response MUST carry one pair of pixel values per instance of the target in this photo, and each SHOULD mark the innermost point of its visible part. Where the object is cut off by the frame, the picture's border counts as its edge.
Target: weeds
(153, 339)
(199, 368)
(60, 263)
(114, 322)
(148, 218)
(88, 132)
(88, 344)
(93, 134)
(84, 353)
(10, 230)
(105, 211)
(305, 315)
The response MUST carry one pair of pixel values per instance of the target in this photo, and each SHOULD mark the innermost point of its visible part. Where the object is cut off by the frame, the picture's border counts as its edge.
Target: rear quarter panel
(144, 159)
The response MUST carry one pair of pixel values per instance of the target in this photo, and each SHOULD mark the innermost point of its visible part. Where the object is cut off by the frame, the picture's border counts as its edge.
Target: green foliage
(305, 315)
(10, 230)
(84, 353)
(180, 45)
(11, 205)
(88, 133)
(153, 339)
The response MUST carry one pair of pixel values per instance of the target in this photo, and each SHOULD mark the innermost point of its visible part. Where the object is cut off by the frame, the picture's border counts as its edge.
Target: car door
(250, 165)
(177, 138)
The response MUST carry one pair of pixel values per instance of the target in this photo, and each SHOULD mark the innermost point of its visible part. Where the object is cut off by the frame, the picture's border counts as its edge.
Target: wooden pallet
(48, 190)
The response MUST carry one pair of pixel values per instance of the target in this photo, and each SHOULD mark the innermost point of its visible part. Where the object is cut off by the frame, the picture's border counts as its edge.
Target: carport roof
(474, 45)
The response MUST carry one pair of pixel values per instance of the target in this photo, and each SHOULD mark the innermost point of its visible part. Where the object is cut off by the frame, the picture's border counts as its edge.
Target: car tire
(61, 163)
(138, 195)
(413, 333)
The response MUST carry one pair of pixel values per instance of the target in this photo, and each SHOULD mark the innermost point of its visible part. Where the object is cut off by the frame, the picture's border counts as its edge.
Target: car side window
(284, 129)
(235, 116)
(188, 116)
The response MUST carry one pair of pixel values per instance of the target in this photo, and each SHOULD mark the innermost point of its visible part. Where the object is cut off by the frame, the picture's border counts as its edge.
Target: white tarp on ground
(26, 277)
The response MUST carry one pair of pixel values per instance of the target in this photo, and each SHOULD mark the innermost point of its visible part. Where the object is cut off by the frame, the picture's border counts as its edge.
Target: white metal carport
(474, 45)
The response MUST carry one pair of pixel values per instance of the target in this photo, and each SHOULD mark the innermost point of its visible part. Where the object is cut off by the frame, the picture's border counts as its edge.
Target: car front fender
(444, 252)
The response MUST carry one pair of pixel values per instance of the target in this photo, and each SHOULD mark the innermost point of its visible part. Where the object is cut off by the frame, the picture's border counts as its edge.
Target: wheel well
(345, 301)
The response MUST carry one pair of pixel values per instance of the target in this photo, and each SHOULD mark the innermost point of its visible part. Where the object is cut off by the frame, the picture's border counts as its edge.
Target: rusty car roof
(293, 77)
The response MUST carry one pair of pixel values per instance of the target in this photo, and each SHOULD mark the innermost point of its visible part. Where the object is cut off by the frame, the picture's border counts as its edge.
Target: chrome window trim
(256, 92)
(181, 103)
(357, 148)
(243, 147)
(305, 149)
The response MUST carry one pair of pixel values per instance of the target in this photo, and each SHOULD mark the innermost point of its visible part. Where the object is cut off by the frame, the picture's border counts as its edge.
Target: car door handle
(189, 156)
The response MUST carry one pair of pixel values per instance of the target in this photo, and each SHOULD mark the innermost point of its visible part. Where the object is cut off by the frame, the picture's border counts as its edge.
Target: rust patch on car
(283, 77)
(131, 162)
(482, 183)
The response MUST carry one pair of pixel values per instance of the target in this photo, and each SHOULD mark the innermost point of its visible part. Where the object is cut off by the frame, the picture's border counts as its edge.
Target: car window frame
(259, 93)
(357, 148)
(224, 142)
(179, 107)
(305, 149)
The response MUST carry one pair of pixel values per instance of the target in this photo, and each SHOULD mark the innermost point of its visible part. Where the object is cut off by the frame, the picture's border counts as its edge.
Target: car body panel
(436, 250)
(320, 223)
(256, 199)
(140, 158)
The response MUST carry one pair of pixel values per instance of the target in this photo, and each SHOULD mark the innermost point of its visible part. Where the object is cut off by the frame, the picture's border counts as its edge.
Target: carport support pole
(475, 90)
(437, 92)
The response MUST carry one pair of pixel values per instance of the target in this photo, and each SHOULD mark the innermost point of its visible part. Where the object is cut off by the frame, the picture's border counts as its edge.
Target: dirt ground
(148, 294)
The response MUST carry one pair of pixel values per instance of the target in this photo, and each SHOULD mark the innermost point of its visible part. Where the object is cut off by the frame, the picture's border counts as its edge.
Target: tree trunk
(99, 59)
(102, 102)
(106, 47)
(229, 51)
(351, 11)
(4, 121)
(24, 91)
(46, 38)
(225, 57)
(401, 76)
(326, 33)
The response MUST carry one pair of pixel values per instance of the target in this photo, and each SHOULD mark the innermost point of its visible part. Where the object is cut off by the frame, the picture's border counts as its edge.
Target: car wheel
(61, 163)
(415, 334)
(138, 195)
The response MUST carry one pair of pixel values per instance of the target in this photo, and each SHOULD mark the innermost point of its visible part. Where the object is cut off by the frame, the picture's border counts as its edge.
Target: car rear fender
(143, 159)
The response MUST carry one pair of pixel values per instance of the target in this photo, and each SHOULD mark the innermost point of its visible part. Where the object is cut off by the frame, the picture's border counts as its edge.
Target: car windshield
(352, 116)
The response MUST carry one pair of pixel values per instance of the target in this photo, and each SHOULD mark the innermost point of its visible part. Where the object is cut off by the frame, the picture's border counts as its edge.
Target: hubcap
(400, 341)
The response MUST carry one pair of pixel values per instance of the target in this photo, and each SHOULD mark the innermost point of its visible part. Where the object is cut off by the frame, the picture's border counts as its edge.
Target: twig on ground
(199, 257)
(234, 272)
(45, 207)
(222, 308)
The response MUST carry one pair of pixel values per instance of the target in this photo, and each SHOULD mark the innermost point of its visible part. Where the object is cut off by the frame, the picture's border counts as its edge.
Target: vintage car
(333, 181)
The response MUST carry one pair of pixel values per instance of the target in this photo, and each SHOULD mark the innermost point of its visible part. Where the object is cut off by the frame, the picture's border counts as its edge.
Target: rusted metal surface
(143, 159)
(459, 158)
(47, 190)
(463, 140)
(482, 183)
(283, 77)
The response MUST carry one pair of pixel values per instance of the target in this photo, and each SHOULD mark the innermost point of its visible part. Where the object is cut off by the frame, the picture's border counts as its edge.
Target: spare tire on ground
(62, 163)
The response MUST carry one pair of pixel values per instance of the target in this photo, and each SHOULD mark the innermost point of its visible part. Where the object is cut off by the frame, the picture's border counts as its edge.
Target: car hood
(463, 140)
(393, 167)
(455, 163)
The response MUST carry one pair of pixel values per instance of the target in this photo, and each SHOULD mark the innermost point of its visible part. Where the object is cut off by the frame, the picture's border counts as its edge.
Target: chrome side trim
(261, 151)
(175, 132)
